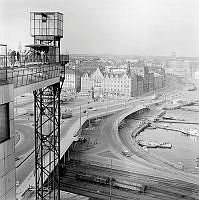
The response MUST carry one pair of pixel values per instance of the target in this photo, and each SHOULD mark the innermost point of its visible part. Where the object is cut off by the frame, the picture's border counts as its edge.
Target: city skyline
(153, 27)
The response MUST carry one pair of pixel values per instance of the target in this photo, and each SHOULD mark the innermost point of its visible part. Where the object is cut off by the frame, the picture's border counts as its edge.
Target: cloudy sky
(141, 27)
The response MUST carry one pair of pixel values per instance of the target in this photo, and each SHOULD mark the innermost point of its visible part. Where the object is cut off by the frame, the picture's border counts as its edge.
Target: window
(4, 122)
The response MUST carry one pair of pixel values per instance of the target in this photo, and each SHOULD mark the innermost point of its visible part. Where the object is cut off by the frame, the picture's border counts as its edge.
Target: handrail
(30, 72)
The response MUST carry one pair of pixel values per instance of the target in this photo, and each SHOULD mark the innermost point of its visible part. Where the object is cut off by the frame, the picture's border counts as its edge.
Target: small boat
(168, 118)
(165, 145)
(148, 144)
(193, 132)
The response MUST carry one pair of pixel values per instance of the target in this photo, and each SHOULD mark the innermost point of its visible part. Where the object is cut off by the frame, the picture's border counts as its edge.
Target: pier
(139, 129)
(178, 122)
(172, 129)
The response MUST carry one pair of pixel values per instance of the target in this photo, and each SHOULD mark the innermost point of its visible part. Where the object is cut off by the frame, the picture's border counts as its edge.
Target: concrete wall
(7, 149)
(35, 86)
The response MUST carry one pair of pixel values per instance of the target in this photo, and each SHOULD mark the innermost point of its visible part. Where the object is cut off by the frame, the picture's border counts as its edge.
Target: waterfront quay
(99, 149)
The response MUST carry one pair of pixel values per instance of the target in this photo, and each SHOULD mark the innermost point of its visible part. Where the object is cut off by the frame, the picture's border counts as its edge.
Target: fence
(26, 70)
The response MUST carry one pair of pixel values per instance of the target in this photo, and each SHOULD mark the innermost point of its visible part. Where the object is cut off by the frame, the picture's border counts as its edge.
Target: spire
(128, 70)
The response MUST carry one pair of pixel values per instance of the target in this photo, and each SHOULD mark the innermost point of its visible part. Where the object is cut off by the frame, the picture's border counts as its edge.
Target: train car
(126, 187)
(84, 177)
(129, 185)
(93, 178)
(120, 184)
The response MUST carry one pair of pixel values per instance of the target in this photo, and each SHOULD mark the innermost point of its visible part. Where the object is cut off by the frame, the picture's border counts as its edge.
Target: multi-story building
(100, 83)
(140, 85)
(7, 138)
(72, 81)
(179, 67)
(151, 81)
(158, 81)
(194, 68)
(126, 84)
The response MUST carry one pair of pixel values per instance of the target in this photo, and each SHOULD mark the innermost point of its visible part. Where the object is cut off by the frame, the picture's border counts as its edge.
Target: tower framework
(47, 141)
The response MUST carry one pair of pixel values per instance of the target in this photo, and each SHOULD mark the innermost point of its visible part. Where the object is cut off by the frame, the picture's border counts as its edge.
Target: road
(25, 127)
(24, 170)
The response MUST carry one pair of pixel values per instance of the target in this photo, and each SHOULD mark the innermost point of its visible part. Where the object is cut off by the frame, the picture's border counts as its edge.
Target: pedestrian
(13, 54)
(18, 56)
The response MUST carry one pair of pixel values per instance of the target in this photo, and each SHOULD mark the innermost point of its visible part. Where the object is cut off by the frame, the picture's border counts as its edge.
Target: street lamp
(107, 104)
(111, 181)
(80, 122)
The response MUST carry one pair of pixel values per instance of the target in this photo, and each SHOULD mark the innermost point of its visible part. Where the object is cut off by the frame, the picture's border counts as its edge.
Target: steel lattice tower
(47, 141)
(47, 30)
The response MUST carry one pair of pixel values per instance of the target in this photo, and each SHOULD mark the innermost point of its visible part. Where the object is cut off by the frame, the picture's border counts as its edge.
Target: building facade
(7, 134)
(129, 84)
(179, 67)
(119, 84)
(72, 81)
(7, 143)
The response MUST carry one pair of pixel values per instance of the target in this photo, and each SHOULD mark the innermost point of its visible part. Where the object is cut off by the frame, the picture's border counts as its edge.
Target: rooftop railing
(26, 70)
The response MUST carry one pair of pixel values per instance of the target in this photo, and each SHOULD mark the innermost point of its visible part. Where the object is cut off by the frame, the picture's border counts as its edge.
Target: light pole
(107, 104)
(16, 106)
(111, 181)
(80, 118)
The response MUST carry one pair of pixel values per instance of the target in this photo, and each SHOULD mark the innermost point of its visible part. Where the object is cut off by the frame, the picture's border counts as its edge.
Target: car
(85, 111)
(66, 115)
(90, 107)
(94, 109)
(126, 153)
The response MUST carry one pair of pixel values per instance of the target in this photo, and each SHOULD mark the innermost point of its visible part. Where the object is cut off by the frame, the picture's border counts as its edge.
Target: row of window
(106, 85)
(112, 80)
(39, 24)
(96, 87)
(43, 16)
(46, 32)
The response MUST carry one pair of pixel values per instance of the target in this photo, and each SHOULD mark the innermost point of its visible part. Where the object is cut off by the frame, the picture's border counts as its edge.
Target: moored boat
(165, 145)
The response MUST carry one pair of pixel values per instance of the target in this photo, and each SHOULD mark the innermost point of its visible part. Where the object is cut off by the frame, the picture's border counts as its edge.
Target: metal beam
(47, 141)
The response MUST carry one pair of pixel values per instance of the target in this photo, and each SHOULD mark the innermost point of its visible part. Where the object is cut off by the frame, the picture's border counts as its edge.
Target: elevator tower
(47, 30)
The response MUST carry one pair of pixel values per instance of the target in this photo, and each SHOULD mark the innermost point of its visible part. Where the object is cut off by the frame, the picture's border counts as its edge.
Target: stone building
(115, 84)
(72, 82)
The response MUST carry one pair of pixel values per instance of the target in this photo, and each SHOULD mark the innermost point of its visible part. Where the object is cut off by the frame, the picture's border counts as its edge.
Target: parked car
(94, 109)
(66, 115)
(126, 153)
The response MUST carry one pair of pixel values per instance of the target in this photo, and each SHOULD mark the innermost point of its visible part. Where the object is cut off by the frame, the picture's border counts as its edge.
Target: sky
(135, 27)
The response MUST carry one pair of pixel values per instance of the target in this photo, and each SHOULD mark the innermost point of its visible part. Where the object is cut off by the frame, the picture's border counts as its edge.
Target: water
(185, 149)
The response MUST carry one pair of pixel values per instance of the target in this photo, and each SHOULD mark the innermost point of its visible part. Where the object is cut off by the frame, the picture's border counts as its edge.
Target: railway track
(90, 189)
(176, 188)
